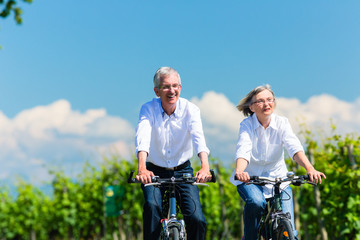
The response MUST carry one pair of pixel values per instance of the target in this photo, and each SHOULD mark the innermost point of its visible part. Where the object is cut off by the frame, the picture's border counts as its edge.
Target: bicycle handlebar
(184, 179)
(295, 180)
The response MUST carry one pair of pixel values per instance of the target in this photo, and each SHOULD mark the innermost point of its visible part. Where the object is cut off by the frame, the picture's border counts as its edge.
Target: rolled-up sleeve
(143, 130)
(196, 131)
(244, 143)
(291, 141)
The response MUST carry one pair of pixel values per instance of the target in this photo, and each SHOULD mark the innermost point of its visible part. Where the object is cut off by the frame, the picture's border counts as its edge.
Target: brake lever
(256, 183)
(309, 182)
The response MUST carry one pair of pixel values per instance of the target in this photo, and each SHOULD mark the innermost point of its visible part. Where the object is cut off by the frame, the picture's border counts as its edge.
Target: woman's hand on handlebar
(242, 176)
(315, 176)
(144, 176)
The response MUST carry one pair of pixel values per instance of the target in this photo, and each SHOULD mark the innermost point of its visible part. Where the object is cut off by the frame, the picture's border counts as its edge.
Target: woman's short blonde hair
(244, 104)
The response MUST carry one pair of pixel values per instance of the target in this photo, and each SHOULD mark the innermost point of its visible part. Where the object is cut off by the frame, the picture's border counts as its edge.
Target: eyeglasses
(262, 101)
(168, 87)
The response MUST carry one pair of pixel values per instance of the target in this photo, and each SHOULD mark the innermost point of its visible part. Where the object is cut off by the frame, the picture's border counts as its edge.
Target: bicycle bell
(290, 175)
(187, 175)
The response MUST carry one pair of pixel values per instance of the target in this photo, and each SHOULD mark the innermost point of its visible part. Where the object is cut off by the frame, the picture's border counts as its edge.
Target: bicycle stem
(172, 204)
(277, 200)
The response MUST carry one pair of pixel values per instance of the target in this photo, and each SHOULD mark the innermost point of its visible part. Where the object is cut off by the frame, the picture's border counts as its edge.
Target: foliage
(10, 6)
(338, 157)
(221, 206)
(75, 210)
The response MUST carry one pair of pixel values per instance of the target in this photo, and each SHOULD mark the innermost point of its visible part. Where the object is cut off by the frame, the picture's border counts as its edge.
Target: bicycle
(274, 223)
(172, 227)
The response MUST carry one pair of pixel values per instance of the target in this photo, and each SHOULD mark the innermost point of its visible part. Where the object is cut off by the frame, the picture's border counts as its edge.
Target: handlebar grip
(252, 178)
(305, 177)
(301, 180)
(213, 177)
(154, 179)
(297, 182)
(131, 179)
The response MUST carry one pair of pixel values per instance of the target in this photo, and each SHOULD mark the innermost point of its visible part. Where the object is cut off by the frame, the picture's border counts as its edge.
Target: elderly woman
(262, 138)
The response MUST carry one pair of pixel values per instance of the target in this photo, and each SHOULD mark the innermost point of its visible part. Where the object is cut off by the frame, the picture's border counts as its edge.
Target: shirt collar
(176, 113)
(257, 123)
(273, 123)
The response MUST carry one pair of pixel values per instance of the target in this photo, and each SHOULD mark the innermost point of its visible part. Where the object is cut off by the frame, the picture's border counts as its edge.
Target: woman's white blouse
(264, 148)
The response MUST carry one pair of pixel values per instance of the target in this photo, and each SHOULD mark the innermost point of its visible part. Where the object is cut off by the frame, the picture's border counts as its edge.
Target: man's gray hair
(164, 71)
(244, 104)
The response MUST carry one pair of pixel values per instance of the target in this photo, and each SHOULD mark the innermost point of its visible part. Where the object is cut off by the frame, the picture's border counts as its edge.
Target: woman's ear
(251, 107)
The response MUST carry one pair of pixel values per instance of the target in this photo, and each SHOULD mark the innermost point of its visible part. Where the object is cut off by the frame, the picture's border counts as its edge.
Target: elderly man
(168, 129)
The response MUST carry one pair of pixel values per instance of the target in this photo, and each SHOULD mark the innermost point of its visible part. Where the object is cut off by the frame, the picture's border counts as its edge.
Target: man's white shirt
(169, 140)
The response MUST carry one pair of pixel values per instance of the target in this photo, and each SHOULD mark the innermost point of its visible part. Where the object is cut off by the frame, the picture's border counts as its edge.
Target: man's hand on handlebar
(203, 175)
(144, 176)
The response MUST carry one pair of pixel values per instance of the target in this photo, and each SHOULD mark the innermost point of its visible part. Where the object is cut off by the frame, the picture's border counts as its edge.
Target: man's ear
(156, 90)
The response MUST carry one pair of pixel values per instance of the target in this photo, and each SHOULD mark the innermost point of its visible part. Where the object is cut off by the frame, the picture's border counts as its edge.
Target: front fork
(167, 224)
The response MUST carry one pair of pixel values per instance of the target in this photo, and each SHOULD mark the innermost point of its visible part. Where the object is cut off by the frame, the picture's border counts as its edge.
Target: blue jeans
(255, 204)
(188, 199)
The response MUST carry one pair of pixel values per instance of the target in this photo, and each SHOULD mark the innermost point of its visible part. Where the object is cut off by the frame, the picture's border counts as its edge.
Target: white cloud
(218, 110)
(56, 136)
(221, 121)
(319, 111)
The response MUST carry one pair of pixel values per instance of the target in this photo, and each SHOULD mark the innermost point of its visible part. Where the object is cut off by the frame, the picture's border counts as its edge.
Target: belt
(155, 167)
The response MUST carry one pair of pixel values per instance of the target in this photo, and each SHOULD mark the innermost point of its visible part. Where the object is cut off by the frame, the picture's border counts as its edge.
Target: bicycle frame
(172, 220)
(273, 213)
(274, 223)
(172, 227)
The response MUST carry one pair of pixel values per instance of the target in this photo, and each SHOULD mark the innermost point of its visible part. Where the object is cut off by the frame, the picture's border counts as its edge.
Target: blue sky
(101, 56)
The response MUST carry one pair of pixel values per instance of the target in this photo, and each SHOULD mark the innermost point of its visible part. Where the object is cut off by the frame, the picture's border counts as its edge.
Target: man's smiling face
(169, 92)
